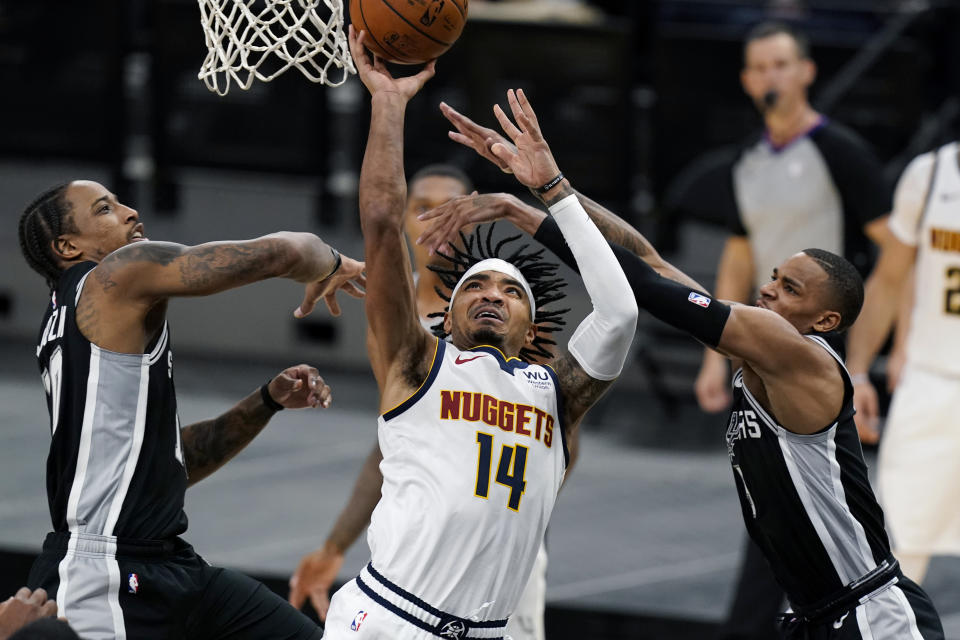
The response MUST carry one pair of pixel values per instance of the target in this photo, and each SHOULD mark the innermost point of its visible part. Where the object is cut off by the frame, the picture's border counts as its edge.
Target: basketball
(409, 31)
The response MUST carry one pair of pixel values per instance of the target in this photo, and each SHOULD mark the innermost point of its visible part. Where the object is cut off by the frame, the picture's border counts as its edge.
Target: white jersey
(472, 463)
(926, 214)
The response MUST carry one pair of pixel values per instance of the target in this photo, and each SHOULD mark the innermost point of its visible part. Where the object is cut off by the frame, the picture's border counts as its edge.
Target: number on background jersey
(951, 298)
(52, 378)
(511, 470)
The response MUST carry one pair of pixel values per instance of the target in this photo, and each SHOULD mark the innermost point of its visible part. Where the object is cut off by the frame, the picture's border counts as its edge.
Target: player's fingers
(22, 593)
(297, 595)
(353, 290)
(503, 154)
(325, 396)
(332, 304)
(38, 597)
(321, 603)
(48, 609)
(527, 108)
(307, 304)
(507, 126)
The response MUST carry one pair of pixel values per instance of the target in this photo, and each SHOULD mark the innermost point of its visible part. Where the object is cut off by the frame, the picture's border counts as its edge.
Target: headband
(502, 266)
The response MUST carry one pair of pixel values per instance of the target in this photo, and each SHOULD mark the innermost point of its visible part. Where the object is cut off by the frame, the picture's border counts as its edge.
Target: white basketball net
(242, 35)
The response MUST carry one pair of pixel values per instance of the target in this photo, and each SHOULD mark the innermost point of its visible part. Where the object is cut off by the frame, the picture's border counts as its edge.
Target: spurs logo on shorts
(453, 629)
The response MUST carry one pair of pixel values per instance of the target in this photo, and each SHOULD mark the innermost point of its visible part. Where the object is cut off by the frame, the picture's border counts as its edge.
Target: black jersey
(115, 466)
(806, 499)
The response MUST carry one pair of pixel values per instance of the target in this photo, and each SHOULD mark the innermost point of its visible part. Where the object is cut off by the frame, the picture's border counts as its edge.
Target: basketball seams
(366, 25)
(414, 26)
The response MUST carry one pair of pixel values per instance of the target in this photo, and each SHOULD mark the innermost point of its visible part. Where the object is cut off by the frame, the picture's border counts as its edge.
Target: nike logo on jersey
(462, 360)
(947, 197)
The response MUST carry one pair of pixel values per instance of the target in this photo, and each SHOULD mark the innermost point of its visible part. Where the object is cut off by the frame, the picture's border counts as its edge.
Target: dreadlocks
(541, 275)
(45, 219)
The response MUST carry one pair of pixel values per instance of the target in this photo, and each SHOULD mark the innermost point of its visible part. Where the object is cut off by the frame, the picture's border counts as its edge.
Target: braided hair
(42, 222)
(542, 277)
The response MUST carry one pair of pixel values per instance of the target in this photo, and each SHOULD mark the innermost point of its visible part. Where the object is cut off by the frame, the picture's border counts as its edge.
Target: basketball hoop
(243, 35)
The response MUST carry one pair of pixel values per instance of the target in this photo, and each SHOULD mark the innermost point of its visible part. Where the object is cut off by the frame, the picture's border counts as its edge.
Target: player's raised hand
(531, 161)
(349, 278)
(448, 219)
(314, 577)
(867, 411)
(377, 78)
(299, 387)
(478, 138)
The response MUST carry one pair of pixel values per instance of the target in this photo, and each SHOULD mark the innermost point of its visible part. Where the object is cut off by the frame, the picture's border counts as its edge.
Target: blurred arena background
(641, 102)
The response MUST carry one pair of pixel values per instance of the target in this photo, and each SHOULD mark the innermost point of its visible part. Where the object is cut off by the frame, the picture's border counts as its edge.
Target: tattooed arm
(153, 270)
(618, 231)
(210, 444)
(580, 391)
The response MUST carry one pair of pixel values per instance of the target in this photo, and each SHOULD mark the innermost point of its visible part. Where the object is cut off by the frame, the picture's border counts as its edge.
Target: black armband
(268, 400)
(681, 307)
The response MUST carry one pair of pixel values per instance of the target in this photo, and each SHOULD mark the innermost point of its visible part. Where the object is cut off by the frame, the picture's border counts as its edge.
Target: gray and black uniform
(808, 505)
(115, 485)
(806, 499)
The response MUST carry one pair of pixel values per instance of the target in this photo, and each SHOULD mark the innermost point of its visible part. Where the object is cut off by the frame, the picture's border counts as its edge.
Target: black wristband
(551, 184)
(268, 401)
(337, 262)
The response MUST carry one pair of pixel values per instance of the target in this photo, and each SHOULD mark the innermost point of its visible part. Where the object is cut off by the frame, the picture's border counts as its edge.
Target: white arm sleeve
(910, 197)
(601, 342)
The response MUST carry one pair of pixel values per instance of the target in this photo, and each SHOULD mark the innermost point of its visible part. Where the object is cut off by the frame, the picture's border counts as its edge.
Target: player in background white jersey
(918, 477)
(454, 536)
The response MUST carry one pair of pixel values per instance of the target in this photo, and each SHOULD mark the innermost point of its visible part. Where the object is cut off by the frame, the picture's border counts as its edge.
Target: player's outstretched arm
(210, 444)
(614, 229)
(149, 271)
(317, 570)
(598, 348)
(401, 342)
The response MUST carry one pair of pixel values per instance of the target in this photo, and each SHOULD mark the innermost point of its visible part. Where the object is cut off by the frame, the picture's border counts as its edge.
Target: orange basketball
(409, 31)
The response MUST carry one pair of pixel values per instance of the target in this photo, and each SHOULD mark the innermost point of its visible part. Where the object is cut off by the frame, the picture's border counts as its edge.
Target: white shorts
(354, 614)
(918, 471)
(526, 623)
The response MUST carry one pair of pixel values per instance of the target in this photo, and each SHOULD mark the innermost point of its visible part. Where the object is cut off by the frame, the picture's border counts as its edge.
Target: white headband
(496, 264)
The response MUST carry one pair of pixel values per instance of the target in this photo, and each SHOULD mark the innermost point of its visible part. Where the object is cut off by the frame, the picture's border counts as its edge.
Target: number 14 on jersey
(510, 470)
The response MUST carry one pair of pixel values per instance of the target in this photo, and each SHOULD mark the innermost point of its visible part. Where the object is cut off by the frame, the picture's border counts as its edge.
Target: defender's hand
(23, 608)
(449, 218)
(300, 387)
(478, 138)
(349, 278)
(868, 410)
(531, 162)
(314, 577)
(375, 76)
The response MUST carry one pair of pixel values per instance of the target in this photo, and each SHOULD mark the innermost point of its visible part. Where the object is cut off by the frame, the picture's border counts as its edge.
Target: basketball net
(243, 35)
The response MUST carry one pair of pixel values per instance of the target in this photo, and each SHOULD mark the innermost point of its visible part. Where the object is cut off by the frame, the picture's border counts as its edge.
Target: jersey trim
(439, 349)
(509, 365)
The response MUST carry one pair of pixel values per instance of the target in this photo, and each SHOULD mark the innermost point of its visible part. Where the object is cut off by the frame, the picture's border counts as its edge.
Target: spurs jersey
(472, 464)
(926, 215)
(115, 466)
(806, 499)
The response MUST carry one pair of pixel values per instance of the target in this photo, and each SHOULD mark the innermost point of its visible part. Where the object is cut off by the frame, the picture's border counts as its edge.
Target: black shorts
(158, 590)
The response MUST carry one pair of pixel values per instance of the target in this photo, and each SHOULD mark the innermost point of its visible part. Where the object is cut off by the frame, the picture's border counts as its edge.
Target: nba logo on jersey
(453, 629)
(698, 299)
(133, 583)
(358, 620)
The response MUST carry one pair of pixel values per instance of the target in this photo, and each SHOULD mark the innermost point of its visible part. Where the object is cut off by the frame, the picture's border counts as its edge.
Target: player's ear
(531, 335)
(828, 321)
(447, 322)
(65, 248)
(809, 71)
